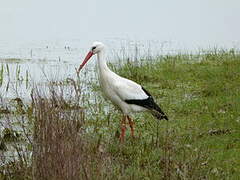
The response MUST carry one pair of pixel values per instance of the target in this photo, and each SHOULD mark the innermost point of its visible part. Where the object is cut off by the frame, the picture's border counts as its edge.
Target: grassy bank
(201, 97)
(199, 93)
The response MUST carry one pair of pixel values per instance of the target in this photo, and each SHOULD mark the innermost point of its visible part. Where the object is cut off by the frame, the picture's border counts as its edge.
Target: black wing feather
(148, 104)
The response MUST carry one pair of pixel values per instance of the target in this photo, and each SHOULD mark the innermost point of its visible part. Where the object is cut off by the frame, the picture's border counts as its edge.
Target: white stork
(124, 93)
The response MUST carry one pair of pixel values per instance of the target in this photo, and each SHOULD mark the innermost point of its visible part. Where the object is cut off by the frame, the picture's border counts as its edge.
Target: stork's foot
(124, 127)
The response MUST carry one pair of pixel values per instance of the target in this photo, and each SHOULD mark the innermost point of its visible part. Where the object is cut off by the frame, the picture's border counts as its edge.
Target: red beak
(89, 55)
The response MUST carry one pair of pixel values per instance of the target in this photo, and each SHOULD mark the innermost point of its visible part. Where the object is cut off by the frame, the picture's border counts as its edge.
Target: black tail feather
(149, 103)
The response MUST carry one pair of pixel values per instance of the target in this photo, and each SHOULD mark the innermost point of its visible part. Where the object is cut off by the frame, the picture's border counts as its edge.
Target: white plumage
(124, 93)
(119, 89)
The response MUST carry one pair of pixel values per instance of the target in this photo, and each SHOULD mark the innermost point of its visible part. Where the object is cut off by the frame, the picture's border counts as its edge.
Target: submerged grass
(75, 137)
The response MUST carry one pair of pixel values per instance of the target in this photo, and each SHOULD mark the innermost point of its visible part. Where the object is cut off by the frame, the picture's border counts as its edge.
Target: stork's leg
(123, 128)
(131, 124)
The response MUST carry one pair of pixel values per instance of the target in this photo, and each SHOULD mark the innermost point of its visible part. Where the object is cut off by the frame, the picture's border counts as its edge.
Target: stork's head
(95, 48)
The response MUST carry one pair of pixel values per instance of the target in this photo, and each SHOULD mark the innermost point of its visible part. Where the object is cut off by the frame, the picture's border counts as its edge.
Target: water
(36, 63)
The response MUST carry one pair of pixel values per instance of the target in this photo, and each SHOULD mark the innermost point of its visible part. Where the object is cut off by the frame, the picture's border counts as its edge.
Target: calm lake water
(25, 64)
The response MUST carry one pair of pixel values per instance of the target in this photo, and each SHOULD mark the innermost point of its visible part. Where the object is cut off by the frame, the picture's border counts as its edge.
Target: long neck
(102, 64)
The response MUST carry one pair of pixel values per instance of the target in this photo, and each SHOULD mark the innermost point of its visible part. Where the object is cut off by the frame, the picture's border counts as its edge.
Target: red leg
(123, 128)
(131, 124)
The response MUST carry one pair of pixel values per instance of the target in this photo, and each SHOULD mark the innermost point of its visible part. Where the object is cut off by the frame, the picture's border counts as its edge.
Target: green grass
(201, 99)
(199, 93)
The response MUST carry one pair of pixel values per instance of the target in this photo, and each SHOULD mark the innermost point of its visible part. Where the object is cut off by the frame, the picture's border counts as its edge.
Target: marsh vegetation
(66, 132)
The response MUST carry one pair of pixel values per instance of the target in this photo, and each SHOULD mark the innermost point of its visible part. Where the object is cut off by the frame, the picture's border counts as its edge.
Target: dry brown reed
(60, 148)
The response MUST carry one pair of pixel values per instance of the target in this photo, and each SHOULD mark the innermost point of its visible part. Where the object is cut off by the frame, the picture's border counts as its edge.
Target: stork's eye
(93, 47)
